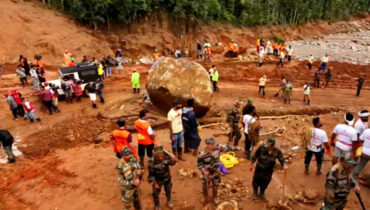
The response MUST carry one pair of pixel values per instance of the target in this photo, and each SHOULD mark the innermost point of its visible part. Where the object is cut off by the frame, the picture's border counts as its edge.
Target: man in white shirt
(361, 123)
(281, 60)
(306, 93)
(176, 129)
(346, 135)
(212, 72)
(261, 85)
(290, 53)
(324, 62)
(248, 118)
(315, 144)
(310, 61)
(365, 156)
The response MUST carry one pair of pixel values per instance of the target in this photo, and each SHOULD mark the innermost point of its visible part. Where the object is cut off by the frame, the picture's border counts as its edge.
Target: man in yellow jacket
(100, 71)
(215, 80)
(135, 81)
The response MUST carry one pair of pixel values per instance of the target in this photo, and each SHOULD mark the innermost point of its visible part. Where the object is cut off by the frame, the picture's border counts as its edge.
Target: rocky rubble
(346, 47)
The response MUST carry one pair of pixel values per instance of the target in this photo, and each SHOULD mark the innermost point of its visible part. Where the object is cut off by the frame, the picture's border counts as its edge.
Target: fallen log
(281, 117)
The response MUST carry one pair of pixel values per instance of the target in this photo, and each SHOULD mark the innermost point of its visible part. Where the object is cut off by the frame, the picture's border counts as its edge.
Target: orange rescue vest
(143, 136)
(121, 140)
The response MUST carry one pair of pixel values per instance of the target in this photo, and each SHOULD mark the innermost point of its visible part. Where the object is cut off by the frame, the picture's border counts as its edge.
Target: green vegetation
(241, 12)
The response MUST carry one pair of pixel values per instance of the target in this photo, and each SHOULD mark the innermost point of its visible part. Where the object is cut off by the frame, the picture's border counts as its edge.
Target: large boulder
(171, 78)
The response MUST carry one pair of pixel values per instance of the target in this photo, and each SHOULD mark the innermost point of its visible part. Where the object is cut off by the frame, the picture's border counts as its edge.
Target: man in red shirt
(47, 97)
(17, 98)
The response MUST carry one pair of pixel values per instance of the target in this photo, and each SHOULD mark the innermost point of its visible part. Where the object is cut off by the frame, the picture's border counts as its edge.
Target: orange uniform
(72, 63)
(122, 138)
(143, 135)
(156, 56)
(282, 47)
(275, 46)
(40, 63)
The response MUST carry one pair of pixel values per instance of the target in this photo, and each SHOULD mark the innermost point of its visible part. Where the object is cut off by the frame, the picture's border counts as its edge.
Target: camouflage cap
(250, 100)
(211, 141)
(347, 158)
(270, 142)
(237, 103)
(126, 151)
(158, 149)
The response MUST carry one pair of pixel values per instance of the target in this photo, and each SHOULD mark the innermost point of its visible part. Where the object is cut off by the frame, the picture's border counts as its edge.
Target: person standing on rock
(324, 63)
(288, 91)
(209, 165)
(339, 183)
(174, 118)
(215, 78)
(310, 62)
(361, 81)
(159, 175)
(191, 134)
(265, 156)
(129, 175)
(13, 106)
(212, 72)
(135, 81)
(145, 136)
(317, 139)
(233, 118)
(328, 76)
(7, 140)
(261, 85)
(122, 138)
(30, 111)
(345, 135)
(362, 124)
(306, 93)
(317, 79)
(156, 55)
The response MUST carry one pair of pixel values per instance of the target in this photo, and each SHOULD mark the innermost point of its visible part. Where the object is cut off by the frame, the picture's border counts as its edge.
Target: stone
(171, 78)
(103, 137)
(311, 194)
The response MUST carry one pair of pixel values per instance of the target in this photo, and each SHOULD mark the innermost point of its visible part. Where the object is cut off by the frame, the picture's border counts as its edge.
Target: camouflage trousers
(337, 204)
(235, 135)
(167, 185)
(261, 179)
(9, 152)
(130, 195)
(211, 179)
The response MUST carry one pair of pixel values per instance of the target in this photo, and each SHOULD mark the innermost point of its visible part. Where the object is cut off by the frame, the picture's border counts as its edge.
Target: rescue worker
(345, 136)
(362, 123)
(261, 85)
(159, 175)
(129, 176)
(67, 57)
(176, 129)
(339, 183)
(265, 156)
(317, 138)
(248, 118)
(17, 96)
(233, 47)
(101, 71)
(324, 62)
(361, 81)
(275, 46)
(290, 53)
(306, 93)
(209, 165)
(310, 61)
(122, 138)
(30, 111)
(288, 91)
(156, 55)
(281, 59)
(7, 140)
(72, 63)
(248, 105)
(191, 133)
(145, 136)
(317, 79)
(327, 77)
(365, 154)
(12, 105)
(135, 81)
(215, 78)
(233, 119)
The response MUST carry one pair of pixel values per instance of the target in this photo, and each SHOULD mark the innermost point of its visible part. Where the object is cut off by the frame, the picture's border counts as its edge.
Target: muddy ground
(68, 162)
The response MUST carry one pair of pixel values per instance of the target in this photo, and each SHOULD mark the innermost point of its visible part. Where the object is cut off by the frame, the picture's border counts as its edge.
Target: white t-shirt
(345, 136)
(175, 118)
(211, 72)
(310, 59)
(318, 137)
(360, 126)
(365, 136)
(324, 59)
(247, 119)
(262, 81)
(290, 51)
(307, 89)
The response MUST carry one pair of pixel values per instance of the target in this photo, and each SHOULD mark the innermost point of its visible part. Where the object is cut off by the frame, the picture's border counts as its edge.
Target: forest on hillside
(239, 12)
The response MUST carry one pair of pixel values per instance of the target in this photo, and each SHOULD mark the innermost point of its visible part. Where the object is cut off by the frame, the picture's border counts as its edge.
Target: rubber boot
(179, 154)
(306, 169)
(134, 90)
(142, 162)
(138, 90)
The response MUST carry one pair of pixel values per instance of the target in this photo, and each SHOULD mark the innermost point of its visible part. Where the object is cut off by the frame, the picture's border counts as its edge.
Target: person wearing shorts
(91, 91)
(346, 135)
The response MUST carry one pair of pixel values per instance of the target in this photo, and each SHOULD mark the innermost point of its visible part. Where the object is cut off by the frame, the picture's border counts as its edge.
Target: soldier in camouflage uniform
(209, 165)
(159, 174)
(265, 156)
(129, 175)
(233, 119)
(339, 183)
